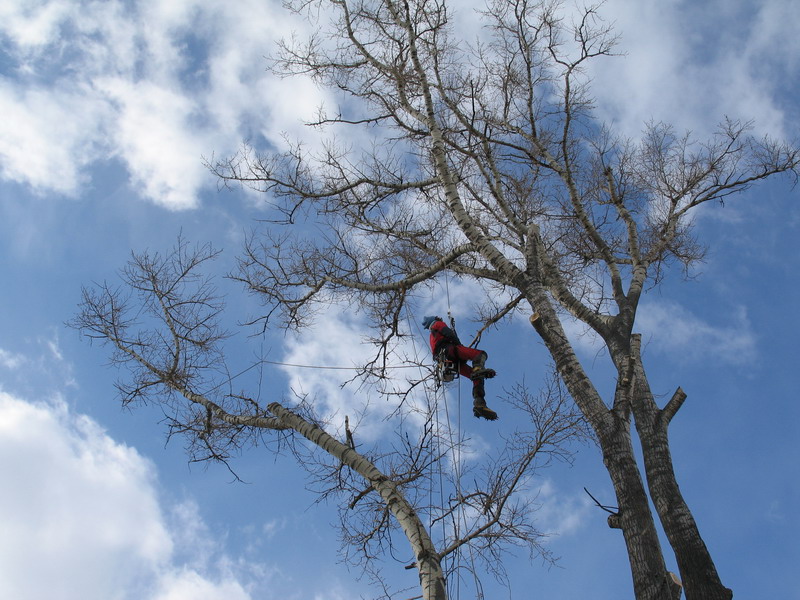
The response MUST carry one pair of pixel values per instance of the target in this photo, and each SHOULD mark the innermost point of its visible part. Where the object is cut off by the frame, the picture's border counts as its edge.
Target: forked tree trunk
(651, 580)
(698, 572)
(431, 576)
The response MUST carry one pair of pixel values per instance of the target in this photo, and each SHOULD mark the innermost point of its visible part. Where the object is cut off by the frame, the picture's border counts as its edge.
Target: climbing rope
(453, 449)
(458, 465)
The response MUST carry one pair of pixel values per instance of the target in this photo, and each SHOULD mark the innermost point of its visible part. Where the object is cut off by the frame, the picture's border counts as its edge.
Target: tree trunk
(698, 572)
(651, 580)
(431, 576)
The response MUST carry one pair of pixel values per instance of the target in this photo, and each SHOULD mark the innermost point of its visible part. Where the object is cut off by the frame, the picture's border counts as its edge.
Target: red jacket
(442, 335)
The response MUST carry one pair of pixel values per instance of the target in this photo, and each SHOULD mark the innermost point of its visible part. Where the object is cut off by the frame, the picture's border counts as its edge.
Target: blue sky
(106, 112)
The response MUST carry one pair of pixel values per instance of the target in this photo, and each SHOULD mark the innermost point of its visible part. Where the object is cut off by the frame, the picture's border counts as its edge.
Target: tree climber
(446, 345)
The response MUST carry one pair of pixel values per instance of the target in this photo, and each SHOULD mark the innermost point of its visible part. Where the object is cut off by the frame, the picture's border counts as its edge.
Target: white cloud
(32, 24)
(273, 526)
(155, 137)
(335, 340)
(337, 593)
(82, 516)
(559, 514)
(155, 85)
(668, 328)
(10, 360)
(676, 331)
(189, 585)
(48, 136)
(80, 513)
(158, 85)
(583, 339)
(775, 22)
(676, 71)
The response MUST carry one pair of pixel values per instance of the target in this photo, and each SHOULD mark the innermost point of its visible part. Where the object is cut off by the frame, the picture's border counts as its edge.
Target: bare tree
(162, 322)
(486, 163)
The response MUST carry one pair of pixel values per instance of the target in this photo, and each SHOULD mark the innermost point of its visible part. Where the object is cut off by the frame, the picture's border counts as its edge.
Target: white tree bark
(431, 576)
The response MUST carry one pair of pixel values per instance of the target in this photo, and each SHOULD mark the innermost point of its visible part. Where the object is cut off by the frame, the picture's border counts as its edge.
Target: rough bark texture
(651, 580)
(700, 577)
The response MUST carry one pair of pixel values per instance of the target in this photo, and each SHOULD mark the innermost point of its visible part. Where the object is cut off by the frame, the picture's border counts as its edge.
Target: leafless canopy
(465, 145)
(483, 159)
(162, 325)
(480, 159)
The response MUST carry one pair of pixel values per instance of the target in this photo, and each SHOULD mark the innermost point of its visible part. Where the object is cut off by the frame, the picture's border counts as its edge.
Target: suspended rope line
(459, 520)
(333, 368)
(231, 378)
(447, 290)
(432, 407)
(264, 361)
(461, 517)
(440, 456)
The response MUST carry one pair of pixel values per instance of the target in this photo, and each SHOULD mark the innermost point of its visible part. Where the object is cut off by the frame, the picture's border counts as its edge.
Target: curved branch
(428, 561)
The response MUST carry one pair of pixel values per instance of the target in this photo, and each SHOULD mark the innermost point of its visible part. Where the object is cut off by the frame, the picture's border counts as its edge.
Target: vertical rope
(460, 515)
(459, 518)
(433, 410)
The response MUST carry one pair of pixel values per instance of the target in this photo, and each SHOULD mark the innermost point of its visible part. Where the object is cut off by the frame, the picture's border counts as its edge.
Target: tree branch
(673, 406)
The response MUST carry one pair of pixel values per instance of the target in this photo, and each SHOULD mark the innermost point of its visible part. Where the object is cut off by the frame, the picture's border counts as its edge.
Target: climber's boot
(479, 408)
(479, 370)
(484, 412)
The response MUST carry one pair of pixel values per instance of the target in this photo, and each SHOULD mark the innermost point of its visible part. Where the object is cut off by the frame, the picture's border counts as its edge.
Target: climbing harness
(446, 368)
